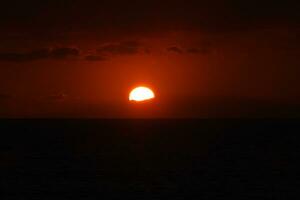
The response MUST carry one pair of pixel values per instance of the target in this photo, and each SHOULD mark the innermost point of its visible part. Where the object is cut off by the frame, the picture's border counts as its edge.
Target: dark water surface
(149, 159)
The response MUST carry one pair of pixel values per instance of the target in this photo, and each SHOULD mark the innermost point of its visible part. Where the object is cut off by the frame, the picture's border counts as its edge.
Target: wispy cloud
(202, 48)
(58, 97)
(40, 54)
(122, 48)
(95, 58)
(175, 49)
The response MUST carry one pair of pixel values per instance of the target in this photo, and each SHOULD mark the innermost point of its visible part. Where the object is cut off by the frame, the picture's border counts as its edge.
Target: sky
(75, 58)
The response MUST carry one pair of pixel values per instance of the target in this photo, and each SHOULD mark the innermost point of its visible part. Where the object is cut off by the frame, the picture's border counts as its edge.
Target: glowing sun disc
(141, 94)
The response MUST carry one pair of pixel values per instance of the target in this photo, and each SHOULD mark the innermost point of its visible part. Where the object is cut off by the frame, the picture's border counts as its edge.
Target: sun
(141, 94)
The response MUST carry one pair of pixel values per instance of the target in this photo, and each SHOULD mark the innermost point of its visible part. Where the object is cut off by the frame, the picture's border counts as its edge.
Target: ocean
(149, 159)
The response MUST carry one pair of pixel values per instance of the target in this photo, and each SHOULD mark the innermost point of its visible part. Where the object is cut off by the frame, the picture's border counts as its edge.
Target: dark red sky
(78, 58)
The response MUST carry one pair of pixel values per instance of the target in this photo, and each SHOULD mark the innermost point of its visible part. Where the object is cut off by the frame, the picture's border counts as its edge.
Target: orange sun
(141, 94)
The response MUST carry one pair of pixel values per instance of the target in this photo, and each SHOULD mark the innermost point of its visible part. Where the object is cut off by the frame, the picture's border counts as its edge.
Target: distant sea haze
(161, 108)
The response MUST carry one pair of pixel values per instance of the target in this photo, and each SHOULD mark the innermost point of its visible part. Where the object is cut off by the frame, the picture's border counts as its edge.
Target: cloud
(58, 97)
(193, 50)
(60, 53)
(116, 49)
(198, 50)
(95, 58)
(202, 48)
(175, 49)
(40, 54)
(122, 48)
(205, 47)
(24, 57)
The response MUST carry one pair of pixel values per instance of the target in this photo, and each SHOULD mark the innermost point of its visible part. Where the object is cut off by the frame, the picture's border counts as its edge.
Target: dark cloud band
(56, 53)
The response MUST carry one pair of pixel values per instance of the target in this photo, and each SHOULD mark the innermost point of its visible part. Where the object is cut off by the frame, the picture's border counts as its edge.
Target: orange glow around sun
(141, 94)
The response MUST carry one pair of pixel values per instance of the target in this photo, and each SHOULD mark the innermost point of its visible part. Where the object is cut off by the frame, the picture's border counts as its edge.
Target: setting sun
(141, 94)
